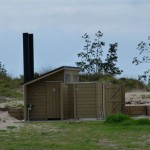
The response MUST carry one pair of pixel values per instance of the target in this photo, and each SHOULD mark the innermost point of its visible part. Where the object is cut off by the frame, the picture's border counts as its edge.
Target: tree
(3, 71)
(144, 52)
(92, 61)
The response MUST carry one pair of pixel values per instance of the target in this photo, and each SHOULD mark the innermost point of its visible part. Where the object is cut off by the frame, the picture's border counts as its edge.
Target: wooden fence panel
(113, 99)
(92, 100)
(85, 93)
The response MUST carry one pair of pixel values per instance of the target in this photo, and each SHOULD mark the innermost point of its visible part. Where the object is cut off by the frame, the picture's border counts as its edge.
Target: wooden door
(114, 99)
(53, 100)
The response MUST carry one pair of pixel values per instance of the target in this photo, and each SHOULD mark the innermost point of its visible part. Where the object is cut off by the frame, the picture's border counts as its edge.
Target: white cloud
(123, 16)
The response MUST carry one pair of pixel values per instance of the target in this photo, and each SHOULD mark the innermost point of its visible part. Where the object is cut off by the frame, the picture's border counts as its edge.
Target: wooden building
(59, 95)
(44, 93)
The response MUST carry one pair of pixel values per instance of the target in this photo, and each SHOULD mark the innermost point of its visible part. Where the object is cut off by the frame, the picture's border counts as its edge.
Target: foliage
(144, 52)
(3, 71)
(117, 118)
(91, 57)
(132, 84)
(129, 83)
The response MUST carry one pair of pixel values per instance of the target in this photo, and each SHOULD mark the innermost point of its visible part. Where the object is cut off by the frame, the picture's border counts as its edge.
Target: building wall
(59, 76)
(85, 100)
(67, 101)
(76, 100)
(36, 95)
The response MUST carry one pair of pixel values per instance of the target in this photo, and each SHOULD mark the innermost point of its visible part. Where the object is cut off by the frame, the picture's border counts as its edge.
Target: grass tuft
(143, 122)
(117, 118)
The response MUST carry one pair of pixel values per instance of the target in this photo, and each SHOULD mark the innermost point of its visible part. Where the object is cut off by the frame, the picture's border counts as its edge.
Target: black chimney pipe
(28, 57)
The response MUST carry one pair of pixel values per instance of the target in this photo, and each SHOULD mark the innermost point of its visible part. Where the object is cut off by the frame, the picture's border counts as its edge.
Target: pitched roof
(51, 73)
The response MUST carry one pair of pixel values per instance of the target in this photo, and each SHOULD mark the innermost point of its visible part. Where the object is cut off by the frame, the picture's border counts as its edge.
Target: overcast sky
(58, 25)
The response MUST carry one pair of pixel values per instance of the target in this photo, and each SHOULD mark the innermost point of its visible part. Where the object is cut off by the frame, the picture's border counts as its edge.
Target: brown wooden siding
(53, 100)
(85, 94)
(68, 105)
(36, 95)
(59, 76)
(77, 100)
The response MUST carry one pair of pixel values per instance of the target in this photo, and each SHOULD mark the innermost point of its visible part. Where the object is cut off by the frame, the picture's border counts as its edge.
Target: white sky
(58, 25)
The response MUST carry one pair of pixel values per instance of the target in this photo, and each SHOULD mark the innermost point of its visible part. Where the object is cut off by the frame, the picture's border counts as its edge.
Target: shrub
(117, 118)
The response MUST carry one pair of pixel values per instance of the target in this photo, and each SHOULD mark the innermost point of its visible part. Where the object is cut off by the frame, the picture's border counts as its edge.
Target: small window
(75, 78)
(67, 78)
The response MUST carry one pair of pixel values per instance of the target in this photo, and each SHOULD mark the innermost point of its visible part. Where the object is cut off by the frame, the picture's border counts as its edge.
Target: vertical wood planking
(96, 97)
(75, 103)
(103, 87)
(25, 101)
(61, 100)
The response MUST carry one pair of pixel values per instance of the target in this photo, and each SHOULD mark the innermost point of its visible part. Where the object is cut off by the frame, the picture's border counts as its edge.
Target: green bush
(117, 118)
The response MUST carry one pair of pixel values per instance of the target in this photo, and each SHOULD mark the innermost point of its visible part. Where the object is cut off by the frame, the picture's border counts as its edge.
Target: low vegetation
(117, 118)
(125, 120)
(10, 87)
(129, 83)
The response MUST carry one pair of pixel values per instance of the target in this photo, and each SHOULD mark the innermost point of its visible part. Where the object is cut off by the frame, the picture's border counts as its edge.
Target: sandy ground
(136, 98)
(6, 121)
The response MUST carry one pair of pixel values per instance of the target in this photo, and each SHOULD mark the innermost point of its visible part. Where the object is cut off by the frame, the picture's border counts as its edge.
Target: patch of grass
(117, 118)
(10, 93)
(10, 87)
(2, 130)
(11, 127)
(89, 135)
(143, 122)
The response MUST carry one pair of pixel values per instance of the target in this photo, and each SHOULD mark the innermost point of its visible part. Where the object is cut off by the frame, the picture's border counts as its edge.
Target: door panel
(53, 100)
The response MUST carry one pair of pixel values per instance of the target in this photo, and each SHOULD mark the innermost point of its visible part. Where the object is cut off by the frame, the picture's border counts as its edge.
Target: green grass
(117, 118)
(87, 135)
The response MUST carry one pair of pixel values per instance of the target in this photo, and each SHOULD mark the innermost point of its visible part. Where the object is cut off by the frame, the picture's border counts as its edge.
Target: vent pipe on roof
(28, 57)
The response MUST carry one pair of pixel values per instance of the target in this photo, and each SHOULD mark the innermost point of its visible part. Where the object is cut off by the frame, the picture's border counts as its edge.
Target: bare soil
(6, 121)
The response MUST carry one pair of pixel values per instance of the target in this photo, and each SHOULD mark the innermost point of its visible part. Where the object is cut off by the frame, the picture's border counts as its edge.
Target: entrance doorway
(53, 100)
